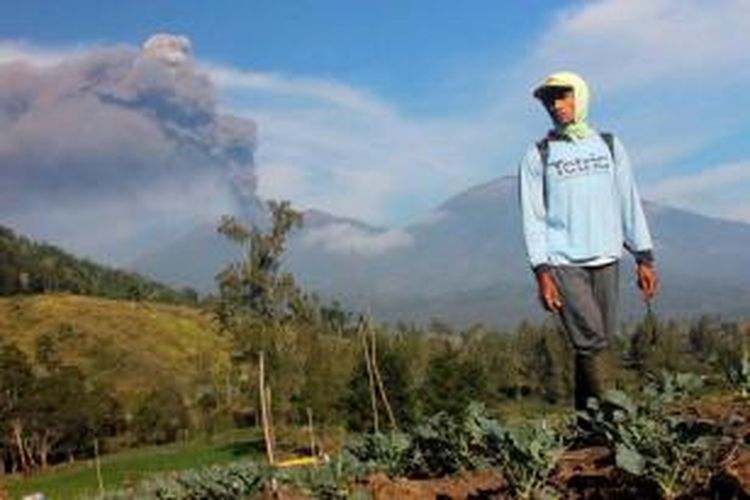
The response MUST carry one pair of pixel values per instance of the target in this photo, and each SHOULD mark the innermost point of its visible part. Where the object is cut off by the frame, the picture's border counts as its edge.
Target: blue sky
(393, 42)
(381, 110)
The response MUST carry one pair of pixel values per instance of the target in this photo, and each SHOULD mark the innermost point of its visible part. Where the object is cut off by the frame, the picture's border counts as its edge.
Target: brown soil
(282, 492)
(730, 415)
(590, 473)
(584, 468)
(475, 485)
(733, 480)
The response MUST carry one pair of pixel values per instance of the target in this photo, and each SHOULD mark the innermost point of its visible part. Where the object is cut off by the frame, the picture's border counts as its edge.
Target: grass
(124, 345)
(128, 467)
(521, 410)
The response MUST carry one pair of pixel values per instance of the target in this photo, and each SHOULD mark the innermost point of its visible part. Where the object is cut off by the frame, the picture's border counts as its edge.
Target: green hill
(131, 347)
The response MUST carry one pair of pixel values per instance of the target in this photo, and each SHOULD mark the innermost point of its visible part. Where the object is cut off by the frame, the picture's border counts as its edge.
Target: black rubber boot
(589, 378)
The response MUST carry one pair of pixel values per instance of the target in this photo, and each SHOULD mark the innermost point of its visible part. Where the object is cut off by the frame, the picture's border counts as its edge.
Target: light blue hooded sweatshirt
(583, 207)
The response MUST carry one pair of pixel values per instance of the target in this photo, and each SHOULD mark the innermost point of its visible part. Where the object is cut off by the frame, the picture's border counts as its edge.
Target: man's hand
(549, 295)
(648, 281)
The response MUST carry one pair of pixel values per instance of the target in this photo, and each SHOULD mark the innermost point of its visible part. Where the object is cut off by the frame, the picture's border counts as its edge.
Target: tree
(16, 386)
(160, 417)
(257, 284)
(703, 336)
(262, 307)
(643, 342)
(61, 421)
(336, 319)
(452, 382)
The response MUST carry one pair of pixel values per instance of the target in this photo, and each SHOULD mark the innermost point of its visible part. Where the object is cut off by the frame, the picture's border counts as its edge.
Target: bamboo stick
(311, 432)
(264, 409)
(379, 380)
(98, 463)
(269, 409)
(371, 377)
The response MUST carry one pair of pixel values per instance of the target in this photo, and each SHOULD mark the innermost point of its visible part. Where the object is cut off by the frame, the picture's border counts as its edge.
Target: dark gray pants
(589, 318)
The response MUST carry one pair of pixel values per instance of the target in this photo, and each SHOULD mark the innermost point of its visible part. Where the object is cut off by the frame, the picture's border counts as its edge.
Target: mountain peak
(501, 188)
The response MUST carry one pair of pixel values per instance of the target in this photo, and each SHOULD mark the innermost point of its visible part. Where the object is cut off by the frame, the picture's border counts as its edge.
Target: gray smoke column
(132, 135)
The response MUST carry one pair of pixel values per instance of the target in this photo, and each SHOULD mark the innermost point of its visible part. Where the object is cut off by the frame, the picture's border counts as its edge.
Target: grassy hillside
(131, 346)
(130, 466)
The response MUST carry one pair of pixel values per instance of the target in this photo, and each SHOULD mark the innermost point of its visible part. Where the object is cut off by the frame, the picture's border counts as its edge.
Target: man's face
(561, 105)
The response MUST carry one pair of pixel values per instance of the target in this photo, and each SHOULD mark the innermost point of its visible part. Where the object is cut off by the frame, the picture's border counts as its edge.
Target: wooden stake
(312, 436)
(264, 409)
(228, 386)
(381, 386)
(269, 409)
(98, 463)
(368, 363)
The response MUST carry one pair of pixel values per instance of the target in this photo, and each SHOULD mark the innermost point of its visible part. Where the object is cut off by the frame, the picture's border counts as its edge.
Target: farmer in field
(580, 208)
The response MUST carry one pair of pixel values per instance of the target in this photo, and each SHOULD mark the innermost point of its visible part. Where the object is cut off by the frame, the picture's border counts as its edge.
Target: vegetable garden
(660, 443)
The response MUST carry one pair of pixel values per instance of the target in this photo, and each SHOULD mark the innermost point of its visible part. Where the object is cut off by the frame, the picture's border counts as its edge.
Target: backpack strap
(543, 148)
(609, 140)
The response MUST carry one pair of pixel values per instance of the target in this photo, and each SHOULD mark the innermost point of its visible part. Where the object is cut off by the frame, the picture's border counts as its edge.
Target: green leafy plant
(647, 439)
(329, 480)
(229, 482)
(443, 445)
(380, 451)
(439, 446)
(734, 363)
(528, 454)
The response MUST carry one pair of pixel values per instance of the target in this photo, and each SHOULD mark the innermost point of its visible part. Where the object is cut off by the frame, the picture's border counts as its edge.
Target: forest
(29, 267)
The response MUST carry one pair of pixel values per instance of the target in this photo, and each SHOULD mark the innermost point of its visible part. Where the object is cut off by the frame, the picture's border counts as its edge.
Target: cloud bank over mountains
(118, 142)
(347, 239)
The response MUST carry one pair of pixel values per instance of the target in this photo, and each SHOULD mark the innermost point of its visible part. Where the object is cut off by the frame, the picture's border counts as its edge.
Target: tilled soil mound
(475, 484)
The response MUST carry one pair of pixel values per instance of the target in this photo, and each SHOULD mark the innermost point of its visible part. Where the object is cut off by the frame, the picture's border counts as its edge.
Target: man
(580, 207)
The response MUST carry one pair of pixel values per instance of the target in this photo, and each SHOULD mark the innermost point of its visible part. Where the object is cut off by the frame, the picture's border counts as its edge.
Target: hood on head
(570, 80)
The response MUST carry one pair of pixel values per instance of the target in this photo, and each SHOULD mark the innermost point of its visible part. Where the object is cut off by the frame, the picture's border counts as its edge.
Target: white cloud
(707, 180)
(739, 212)
(282, 180)
(719, 191)
(315, 88)
(346, 239)
(113, 227)
(354, 157)
(433, 217)
(627, 43)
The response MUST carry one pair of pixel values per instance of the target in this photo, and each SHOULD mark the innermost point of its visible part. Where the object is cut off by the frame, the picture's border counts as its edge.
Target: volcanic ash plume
(134, 131)
(170, 49)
